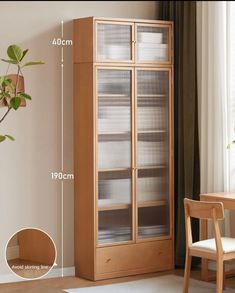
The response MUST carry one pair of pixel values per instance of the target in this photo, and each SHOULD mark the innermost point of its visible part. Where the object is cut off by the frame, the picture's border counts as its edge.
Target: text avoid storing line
(61, 176)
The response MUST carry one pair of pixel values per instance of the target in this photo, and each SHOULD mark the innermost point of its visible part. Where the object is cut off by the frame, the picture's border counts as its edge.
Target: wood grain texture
(227, 198)
(36, 246)
(84, 169)
(126, 259)
(83, 40)
(203, 209)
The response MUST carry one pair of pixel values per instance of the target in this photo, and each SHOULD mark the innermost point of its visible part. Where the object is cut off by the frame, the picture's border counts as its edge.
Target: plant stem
(16, 87)
(4, 116)
(17, 80)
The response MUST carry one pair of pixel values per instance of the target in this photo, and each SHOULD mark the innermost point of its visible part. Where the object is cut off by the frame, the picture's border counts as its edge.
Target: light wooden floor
(56, 285)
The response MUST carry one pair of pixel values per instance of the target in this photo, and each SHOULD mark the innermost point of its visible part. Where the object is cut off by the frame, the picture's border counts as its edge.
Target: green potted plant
(12, 93)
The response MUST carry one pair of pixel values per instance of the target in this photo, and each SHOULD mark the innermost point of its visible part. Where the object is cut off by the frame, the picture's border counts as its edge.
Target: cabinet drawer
(154, 256)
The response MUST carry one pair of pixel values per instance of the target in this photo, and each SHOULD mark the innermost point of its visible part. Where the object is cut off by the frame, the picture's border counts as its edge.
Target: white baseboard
(54, 273)
(13, 252)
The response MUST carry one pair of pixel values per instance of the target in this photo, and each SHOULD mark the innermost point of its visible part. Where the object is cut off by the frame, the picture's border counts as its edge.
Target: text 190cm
(61, 176)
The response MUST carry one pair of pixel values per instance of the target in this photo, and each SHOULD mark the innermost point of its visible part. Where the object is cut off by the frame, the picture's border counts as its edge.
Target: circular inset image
(31, 253)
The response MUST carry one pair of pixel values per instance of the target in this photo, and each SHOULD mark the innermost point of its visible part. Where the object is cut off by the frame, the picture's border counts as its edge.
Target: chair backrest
(204, 210)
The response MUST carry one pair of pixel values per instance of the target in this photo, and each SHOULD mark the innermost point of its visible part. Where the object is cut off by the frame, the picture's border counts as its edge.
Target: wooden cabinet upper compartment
(114, 41)
(119, 40)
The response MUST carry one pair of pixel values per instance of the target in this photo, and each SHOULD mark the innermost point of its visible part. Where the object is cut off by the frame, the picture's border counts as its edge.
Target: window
(231, 90)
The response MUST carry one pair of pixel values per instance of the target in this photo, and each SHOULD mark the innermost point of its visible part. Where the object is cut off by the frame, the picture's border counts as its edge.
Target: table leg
(203, 236)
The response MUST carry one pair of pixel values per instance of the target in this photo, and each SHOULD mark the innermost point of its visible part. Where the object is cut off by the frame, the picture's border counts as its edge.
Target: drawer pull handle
(108, 260)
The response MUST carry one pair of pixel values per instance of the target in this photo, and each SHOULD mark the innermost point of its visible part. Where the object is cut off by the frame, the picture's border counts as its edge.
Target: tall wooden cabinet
(123, 115)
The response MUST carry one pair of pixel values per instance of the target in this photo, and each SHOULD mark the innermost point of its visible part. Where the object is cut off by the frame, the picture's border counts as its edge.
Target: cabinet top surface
(149, 21)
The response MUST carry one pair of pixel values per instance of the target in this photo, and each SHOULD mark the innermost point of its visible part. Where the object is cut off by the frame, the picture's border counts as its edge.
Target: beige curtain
(216, 92)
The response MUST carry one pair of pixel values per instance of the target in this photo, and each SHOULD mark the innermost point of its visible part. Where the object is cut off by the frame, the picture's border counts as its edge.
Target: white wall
(28, 196)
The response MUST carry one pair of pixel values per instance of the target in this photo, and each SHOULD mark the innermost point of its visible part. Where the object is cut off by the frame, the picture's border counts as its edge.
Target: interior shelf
(114, 207)
(154, 203)
(114, 170)
(152, 167)
(112, 95)
(151, 131)
(127, 169)
(115, 133)
(142, 204)
(152, 95)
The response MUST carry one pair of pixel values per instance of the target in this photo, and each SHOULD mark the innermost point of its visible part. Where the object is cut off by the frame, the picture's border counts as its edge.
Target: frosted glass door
(114, 118)
(115, 206)
(114, 97)
(114, 42)
(152, 44)
(152, 117)
(152, 152)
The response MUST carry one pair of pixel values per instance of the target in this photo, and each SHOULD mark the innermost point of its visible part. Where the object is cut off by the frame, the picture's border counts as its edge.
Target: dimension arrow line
(62, 55)
(62, 28)
(62, 153)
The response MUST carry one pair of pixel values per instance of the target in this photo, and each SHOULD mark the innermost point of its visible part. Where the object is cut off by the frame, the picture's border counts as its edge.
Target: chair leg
(224, 276)
(187, 272)
(219, 276)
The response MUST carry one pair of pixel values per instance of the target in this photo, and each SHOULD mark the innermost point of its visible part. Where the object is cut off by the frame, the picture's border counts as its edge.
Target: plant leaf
(10, 137)
(5, 94)
(9, 61)
(2, 138)
(15, 102)
(6, 82)
(1, 79)
(15, 53)
(24, 96)
(24, 53)
(30, 63)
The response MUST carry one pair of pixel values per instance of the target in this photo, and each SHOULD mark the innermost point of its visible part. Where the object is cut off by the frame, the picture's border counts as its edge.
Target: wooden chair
(219, 248)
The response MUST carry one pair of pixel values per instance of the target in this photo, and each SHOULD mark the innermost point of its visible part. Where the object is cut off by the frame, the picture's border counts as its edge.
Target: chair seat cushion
(209, 244)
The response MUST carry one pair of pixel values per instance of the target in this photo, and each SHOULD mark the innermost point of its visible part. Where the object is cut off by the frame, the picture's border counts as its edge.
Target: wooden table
(228, 200)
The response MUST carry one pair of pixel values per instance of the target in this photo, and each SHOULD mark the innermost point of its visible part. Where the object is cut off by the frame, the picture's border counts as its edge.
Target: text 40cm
(61, 42)
(61, 176)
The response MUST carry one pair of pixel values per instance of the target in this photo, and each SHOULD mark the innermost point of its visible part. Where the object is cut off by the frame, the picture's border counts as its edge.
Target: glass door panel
(152, 117)
(114, 189)
(152, 186)
(152, 149)
(152, 44)
(114, 42)
(115, 226)
(153, 221)
(114, 151)
(114, 155)
(114, 118)
(152, 152)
